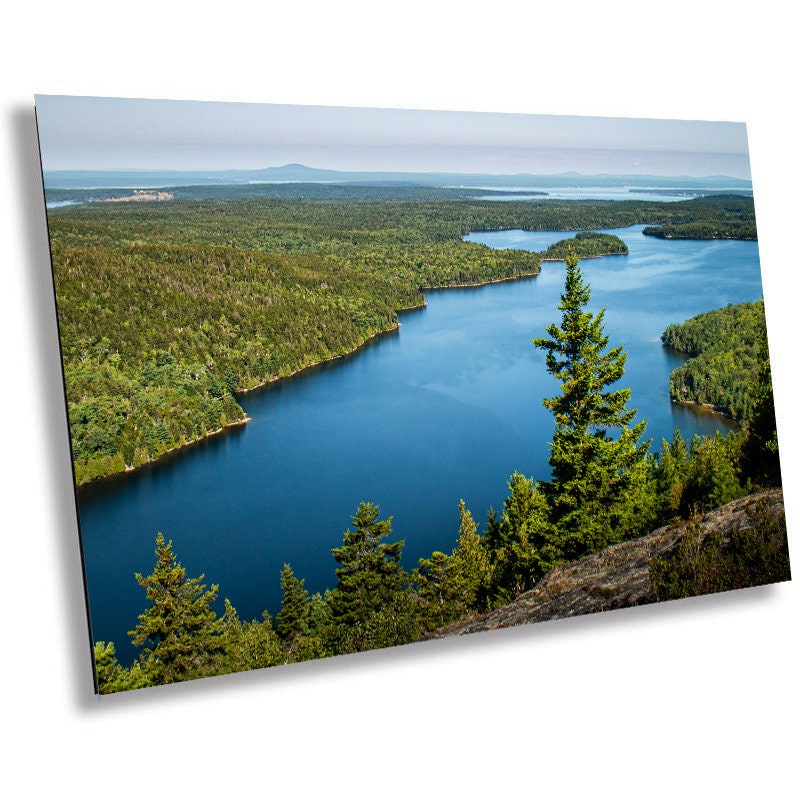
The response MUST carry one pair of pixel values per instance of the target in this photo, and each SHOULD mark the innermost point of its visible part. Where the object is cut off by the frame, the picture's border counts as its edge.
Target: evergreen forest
(168, 311)
(728, 347)
(605, 486)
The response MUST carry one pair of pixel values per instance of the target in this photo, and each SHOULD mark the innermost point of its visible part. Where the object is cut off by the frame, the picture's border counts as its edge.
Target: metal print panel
(341, 379)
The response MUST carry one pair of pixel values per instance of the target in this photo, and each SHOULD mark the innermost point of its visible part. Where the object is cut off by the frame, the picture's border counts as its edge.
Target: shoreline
(711, 407)
(207, 435)
(129, 468)
(583, 258)
(471, 286)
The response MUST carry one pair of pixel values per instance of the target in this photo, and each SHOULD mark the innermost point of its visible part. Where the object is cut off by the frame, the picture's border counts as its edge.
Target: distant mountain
(299, 173)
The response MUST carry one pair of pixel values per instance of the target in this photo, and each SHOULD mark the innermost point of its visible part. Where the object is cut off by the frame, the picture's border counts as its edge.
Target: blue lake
(445, 408)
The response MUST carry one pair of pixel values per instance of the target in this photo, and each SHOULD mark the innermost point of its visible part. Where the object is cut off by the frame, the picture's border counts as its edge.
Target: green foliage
(705, 230)
(599, 491)
(371, 605)
(716, 217)
(248, 645)
(587, 244)
(519, 544)
(165, 309)
(671, 474)
(292, 619)
(692, 478)
(181, 634)
(728, 349)
(712, 478)
(447, 587)
(436, 593)
(758, 554)
(470, 569)
(760, 458)
(112, 677)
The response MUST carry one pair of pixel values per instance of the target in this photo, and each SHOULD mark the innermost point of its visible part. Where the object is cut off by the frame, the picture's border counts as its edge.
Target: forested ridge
(728, 348)
(603, 489)
(722, 217)
(167, 309)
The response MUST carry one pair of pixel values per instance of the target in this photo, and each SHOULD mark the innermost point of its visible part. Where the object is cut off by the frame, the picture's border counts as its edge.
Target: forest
(732, 217)
(605, 487)
(169, 310)
(299, 192)
(728, 348)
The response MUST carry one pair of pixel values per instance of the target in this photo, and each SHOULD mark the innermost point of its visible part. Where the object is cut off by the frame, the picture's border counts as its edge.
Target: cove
(445, 408)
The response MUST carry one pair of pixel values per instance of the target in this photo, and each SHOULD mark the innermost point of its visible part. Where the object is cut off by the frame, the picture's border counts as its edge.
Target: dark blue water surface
(445, 408)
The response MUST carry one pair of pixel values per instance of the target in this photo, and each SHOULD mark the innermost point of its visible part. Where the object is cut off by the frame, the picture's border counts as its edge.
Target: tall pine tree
(600, 492)
(371, 603)
(182, 635)
(470, 568)
(292, 619)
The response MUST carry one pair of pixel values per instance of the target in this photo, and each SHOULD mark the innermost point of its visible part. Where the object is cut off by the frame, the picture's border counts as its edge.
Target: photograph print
(340, 379)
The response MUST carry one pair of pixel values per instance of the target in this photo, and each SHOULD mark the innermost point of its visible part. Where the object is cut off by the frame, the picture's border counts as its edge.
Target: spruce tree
(371, 603)
(450, 586)
(671, 474)
(760, 458)
(470, 562)
(182, 635)
(249, 645)
(599, 493)
(292, 619)
(437, 595)
(113, 677)
(522, 540)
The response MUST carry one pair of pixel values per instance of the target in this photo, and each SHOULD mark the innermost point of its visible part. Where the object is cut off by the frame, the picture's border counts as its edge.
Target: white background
(690, 699)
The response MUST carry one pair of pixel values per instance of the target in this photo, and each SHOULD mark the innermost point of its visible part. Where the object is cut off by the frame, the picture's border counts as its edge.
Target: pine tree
(292, 619)
(599, 493)
(182, 636)
(249, 645)
(438, 597)
(113, 677)
(521, 540)
(371, 603)
(671, 474)
(470, 562)
(450, 586)
(712, 478)
(760, 458)
(107, 669)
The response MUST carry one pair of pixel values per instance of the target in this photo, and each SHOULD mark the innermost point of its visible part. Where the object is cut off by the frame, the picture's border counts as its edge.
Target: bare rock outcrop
(616, 577)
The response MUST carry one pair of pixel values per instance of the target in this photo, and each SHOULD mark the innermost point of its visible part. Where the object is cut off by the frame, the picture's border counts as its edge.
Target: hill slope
(618, 576)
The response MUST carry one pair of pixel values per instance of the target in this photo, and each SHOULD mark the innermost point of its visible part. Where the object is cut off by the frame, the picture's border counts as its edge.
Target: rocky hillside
(618, 576)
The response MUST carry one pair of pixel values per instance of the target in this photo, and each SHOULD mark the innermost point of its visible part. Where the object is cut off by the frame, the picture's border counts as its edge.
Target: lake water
(445, 408)
(655, 195)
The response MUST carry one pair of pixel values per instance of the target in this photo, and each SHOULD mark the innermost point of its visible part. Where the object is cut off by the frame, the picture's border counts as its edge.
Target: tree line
(167, 310)
(605, 487)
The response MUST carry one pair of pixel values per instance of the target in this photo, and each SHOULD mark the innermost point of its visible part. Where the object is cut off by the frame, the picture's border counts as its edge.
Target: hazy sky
(117, 133)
